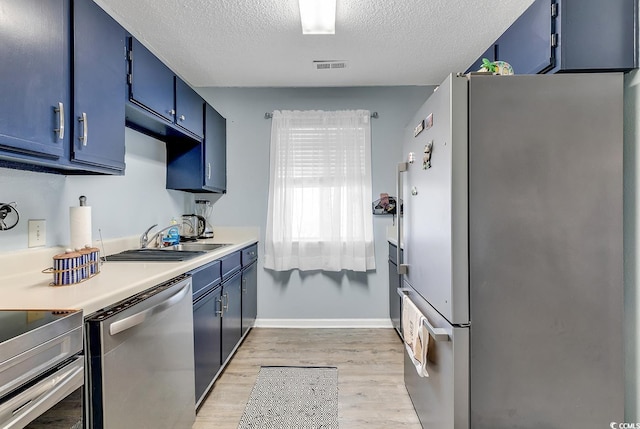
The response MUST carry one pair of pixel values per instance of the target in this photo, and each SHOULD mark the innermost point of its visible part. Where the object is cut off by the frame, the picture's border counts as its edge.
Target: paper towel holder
(9, 216)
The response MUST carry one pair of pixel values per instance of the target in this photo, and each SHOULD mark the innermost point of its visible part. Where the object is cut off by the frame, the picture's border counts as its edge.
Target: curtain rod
(269, 115)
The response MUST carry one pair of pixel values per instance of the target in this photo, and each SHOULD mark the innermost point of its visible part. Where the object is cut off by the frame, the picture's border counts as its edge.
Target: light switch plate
(37, 232)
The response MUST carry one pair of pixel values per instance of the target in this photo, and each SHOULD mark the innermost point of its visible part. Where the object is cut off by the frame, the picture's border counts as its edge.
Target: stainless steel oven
(41, 369)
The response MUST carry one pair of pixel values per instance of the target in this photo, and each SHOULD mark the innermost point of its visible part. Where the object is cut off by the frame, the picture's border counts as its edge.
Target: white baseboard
(323, 323)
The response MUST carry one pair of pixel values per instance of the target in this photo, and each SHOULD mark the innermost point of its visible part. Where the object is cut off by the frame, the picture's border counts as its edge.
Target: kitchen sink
(179, 252)
(154, 255)
(186, 247)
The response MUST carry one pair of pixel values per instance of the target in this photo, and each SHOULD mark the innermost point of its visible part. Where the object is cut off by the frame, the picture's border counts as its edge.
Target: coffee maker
(204, 208)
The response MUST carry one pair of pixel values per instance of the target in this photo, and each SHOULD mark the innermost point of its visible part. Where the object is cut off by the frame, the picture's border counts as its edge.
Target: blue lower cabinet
(207, 334)
(207, 325)
(249, 259)
(232, 314)
(249, 296)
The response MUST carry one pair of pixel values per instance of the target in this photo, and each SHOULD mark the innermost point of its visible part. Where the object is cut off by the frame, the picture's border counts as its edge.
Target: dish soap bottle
(173, 234)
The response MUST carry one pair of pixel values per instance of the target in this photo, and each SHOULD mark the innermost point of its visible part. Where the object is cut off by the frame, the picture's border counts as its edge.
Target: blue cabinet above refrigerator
(554, 36)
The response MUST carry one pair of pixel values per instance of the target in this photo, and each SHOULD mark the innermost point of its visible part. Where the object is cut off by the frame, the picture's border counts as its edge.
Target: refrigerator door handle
(402, 268)
(438, 334)
(402, 291)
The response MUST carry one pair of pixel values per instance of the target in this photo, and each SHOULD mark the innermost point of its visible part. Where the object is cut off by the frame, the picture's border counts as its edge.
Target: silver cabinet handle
(402, 167)
(172, 112)
(221, 311)
(208, 170)
(84, 138)
(244, 285)
(60, 111)
(182, 118)
(138, 318)
(225, 307)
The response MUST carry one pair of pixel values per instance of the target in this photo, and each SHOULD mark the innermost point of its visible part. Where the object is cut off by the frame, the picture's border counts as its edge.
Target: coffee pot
(193, 225)
(204, 208)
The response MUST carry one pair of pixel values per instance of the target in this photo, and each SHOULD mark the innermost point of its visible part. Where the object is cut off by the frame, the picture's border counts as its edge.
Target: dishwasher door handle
(138, 318)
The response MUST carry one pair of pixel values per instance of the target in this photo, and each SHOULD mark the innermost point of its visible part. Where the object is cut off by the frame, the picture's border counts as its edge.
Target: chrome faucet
(145, 240)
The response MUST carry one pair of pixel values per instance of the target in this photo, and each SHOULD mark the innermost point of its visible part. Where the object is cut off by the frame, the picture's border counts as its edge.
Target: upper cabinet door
(215, 151)
(526, 45)
(151, 82)
(189, 109)
(34, 46)
(99, 60)
(597, 35)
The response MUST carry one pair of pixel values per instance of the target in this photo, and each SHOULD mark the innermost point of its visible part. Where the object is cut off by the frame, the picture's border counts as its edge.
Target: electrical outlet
(37, 232)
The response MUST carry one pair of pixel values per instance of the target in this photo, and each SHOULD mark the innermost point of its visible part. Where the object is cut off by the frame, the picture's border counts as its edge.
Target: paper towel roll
(80, 226)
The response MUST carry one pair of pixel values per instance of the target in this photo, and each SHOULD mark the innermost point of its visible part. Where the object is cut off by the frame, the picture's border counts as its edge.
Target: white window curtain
(319, 215)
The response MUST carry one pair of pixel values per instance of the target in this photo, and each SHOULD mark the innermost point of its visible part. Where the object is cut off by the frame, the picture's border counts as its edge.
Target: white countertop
(24, 286)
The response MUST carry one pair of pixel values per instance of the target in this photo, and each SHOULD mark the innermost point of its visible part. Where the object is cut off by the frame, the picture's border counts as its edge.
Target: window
(319, 215)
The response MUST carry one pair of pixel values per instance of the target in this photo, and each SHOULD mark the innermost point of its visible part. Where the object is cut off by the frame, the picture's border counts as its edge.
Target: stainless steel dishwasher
(140, 360)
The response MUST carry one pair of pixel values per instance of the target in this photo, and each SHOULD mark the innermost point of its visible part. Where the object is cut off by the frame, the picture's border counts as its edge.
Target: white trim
(323, 323)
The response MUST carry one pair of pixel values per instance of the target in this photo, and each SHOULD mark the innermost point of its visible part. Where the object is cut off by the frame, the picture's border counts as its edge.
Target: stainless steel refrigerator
(512, 235)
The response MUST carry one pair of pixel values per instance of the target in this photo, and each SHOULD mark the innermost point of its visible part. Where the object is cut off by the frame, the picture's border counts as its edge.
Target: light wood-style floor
(371, 392)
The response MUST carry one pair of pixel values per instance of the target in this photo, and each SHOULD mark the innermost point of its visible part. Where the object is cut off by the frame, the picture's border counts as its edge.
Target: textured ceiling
(254, 43)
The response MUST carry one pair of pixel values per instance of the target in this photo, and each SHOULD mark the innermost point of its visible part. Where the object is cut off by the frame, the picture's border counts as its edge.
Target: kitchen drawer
(230, 264)
(249, 254)
(204, 276)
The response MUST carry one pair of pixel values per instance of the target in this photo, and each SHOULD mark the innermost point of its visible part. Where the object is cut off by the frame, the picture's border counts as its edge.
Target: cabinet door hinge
(130, 78)
(130, 55)
(554, 10)
(554, 40)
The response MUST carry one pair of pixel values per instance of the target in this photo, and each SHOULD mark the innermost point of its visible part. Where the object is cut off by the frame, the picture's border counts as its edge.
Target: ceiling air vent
(329, 64)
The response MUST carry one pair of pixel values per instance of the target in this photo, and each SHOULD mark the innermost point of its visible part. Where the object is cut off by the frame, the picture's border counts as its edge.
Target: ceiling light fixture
(318, 16)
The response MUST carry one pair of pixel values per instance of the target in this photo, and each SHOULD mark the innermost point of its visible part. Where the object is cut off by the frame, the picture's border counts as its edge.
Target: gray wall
(120, 205)
(310, 295)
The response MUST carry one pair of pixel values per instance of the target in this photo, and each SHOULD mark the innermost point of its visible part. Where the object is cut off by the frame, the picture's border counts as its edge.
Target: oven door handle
(34, 401)
(138, 318)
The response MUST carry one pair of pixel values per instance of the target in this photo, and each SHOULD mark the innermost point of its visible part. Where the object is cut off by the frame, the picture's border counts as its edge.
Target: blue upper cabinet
(200, 167)
(215, 151)
(99, 88)
(570, 36)
(189, 107)
(167, 108)
(34, 107)
(527, 44)
(151, 82)
(596, 35)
